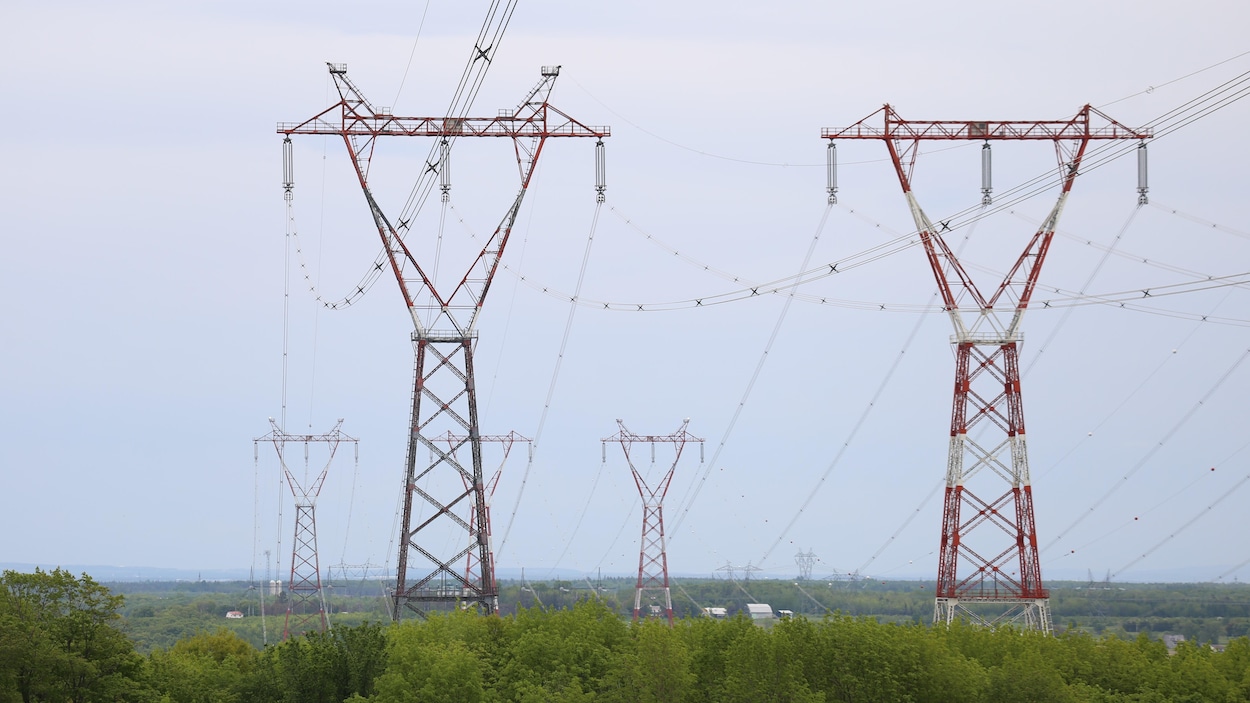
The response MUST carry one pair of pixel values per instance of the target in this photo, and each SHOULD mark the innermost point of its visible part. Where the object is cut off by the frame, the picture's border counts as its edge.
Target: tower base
(1023, 613)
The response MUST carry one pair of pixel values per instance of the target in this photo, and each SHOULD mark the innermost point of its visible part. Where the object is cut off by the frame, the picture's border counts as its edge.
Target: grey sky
(143, 261)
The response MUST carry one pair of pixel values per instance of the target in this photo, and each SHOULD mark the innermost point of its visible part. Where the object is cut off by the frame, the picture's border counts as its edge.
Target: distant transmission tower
(805, 560)
(987, 534)
(440, 498)
(652, 557)
(748, 570)
(1096, 594)
(472, 565)
(305, 609)
(356, 572)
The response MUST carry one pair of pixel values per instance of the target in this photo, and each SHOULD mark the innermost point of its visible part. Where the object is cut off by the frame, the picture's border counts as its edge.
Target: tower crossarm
(359, 123)
(1080, 126)
(280, 438)
(960, 293)
(355, 116)
(545, 122)
(679, 437)
(455, 441)
(480, 516)
(335, 435)
(652, 494)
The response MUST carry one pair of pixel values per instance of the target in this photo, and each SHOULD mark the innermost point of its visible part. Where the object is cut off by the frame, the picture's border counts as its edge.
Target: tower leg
(304, 610)
(1001, 580)
(653, 566)
(441, 498)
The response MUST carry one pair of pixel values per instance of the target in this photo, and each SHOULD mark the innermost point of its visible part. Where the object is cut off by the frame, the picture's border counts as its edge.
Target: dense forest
(157, 614)
(65, 638)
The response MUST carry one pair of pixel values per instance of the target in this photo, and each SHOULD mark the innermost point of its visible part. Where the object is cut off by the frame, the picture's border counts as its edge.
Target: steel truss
(652, 555)
(472, 565)
(305, 608)
(442, 498)
(988, 534)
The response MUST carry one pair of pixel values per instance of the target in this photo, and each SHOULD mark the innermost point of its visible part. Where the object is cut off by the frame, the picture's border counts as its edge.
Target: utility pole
(988, 565)
(305, 605)
(652, 556)
(439, 498)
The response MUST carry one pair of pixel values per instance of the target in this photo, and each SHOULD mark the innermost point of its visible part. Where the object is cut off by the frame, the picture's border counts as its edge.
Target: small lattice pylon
(805, 560)
(653, 580)
(305, 609)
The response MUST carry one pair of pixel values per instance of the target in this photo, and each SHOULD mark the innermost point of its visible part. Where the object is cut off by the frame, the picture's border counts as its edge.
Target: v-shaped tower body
(988, 564)
(443, 498)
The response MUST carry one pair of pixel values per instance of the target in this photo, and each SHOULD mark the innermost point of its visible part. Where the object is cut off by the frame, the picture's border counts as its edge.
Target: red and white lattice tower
(988, 566)
(652, 557)
(440, 499)
(305, 605)
(472, 566)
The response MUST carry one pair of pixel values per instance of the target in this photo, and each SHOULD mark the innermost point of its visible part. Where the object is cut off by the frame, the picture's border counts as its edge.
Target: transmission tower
(1096, 594)
(357, 572)
(440, 499)
(305, 605)
(652, 558)
(805, 560)
(988, 566)
(748, 570)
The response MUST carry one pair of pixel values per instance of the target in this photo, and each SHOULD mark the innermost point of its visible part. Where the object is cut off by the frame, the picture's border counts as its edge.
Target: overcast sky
(144, 255)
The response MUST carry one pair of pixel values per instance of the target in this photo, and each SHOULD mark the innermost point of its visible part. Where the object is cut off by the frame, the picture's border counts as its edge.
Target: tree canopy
(61, 639)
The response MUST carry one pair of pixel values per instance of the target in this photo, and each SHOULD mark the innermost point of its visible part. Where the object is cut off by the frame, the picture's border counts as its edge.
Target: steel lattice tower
(652, 557)
(805, 560)
(440, 498)
(988, 564)
(305, 606)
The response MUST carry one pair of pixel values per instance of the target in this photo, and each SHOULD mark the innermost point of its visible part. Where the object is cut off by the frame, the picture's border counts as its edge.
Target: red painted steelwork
(987, 377)
(652, 555)
(452, 496)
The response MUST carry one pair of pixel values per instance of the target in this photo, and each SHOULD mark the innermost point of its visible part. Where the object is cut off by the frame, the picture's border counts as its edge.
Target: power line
(1191, 74)
(555, 375)
(1151, 452)
(684, 509)
(1067, 313)
(415, 40)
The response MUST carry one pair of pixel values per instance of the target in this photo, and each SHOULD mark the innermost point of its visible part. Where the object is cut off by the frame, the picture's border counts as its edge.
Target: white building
(760, 611)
